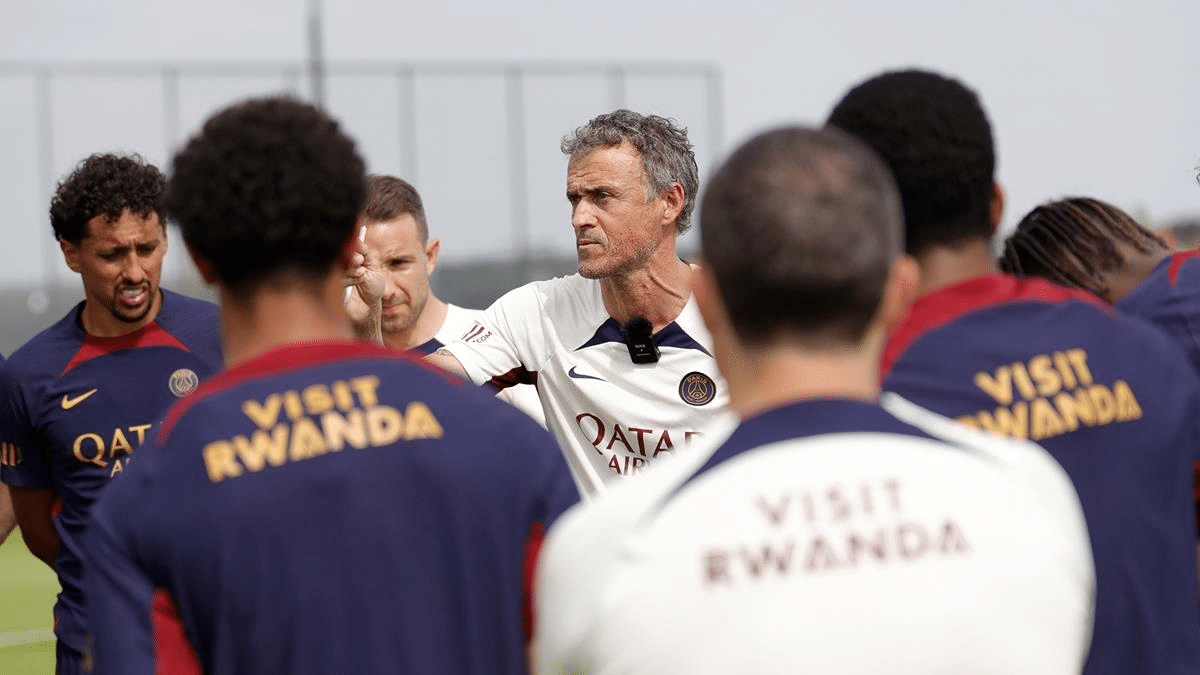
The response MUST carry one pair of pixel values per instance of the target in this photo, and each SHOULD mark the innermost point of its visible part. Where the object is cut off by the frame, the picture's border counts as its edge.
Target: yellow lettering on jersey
(119, 442)
(998, 387)
(89, 448)
(261, 448)
(365, 388)
(220, 462)
(317, 399)
(419, 422)
(1045, 377)
(140, 430)
(1012, 421)
(350, 429)
(1045, 421)
(1066, 397)
(307, 440)
(263, 414)
(316, 421)
(1128, 407)
(384, 424)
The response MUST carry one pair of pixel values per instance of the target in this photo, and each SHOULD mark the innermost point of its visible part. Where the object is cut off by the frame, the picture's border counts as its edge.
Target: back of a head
(1073, 242)
(389, 197)
(666, 152)
(934, 135)
(800, 228)
(269, 190)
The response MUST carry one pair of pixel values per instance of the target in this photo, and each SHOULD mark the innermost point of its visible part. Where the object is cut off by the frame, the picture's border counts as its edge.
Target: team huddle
(847, 440)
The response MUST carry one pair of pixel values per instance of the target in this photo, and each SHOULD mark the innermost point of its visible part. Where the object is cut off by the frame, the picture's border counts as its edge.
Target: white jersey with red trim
(610, 416)
(459, 321)
(830, 536)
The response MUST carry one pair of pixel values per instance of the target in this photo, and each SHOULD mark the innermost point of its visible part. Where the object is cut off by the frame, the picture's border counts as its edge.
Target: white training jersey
(610, 416)
(460, 320)
(830, 536)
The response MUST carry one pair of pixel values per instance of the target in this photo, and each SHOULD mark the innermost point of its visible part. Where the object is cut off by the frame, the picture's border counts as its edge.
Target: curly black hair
(933, 133)
(270, 187)
(105, 185)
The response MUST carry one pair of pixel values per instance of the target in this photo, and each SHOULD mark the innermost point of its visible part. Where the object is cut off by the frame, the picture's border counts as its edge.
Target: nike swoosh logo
(580, 376)
(68, 402)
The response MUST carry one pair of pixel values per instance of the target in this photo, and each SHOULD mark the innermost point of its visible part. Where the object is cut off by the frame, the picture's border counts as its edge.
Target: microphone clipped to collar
(639, 338)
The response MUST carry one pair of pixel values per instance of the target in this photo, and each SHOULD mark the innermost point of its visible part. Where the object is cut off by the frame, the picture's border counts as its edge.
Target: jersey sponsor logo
(626, 446)
(477, 335)
(697, 389)
(317, 420)
(110, 450)
(183, 382)
(10, 454)
(1050, 395)
(580, 376)
(68, 402)
(839, 528)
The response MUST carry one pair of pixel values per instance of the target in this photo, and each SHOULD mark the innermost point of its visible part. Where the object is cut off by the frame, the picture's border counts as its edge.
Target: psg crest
(183, 382)
(697, 389)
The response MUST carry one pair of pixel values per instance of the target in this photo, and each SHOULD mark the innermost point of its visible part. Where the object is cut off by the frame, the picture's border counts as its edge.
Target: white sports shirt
(459, 321)
(833, 537)
(610, 416)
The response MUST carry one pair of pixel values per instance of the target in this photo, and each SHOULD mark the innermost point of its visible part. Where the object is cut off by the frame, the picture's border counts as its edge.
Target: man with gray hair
(621, 360)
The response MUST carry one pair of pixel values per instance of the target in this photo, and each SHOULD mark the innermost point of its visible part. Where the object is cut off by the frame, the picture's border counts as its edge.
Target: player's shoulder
(190, 319)
(48, 352)
(997, 451)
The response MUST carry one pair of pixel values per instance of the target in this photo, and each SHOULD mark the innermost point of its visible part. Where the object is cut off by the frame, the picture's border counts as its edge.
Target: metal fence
(479, 139)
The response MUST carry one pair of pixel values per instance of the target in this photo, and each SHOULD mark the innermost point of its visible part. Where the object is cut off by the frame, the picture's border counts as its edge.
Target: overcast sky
(1095, 97)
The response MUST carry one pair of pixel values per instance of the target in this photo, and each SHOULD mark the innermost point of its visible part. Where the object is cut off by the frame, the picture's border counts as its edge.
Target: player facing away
(80, 397)
(622, 361)
(1111, 397)
(401, 254)
(323, 505)
(829, 533)
(1090, 244)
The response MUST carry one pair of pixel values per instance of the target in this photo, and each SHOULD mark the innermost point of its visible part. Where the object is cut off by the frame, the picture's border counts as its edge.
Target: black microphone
(639, 338)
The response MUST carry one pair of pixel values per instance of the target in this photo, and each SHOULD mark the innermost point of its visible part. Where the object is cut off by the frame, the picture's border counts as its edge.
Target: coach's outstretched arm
(446, 361)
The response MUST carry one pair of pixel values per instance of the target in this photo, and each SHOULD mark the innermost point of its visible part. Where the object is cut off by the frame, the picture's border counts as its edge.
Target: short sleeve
(506, 342)
(24, 462)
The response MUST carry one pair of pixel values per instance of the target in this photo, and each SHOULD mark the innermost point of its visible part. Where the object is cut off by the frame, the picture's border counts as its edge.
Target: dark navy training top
(327, 508)
(74, 407)
(1115, 402)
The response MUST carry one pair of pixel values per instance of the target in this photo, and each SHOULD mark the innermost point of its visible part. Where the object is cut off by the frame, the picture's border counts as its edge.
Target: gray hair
(666, 153)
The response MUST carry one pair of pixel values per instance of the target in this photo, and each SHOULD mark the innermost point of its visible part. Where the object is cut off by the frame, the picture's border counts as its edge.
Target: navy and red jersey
(1170, 299)
(326, 508)
(74, 407)
(1114, 401)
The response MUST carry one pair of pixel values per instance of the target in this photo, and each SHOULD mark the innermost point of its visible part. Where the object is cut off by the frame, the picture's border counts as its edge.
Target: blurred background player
(1110, 397)
(621, 358)
(323, 505)
(79, 398)
(412, 317)
(1092, 245)
(828, 534)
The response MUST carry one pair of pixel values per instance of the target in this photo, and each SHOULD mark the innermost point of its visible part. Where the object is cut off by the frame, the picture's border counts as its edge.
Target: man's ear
(70, 254)
(431, 254)
(904, 278)
(997, 207)
(207, 272)
(674, 199)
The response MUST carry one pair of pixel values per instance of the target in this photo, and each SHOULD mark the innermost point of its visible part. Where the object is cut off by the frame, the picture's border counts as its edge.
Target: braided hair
(1072, 242)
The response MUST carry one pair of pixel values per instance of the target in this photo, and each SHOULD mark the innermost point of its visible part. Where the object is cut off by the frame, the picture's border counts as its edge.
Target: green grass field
(27, 590)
